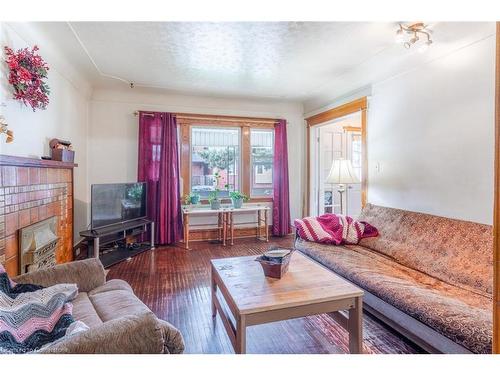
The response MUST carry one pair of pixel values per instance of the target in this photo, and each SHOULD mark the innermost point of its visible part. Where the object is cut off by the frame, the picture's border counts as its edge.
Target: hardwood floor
(175, 284)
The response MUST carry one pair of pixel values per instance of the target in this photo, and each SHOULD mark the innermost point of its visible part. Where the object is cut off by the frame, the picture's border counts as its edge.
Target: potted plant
(214, 200)
(238, 198)
(195, 198)
(192, 198)
(213, 197)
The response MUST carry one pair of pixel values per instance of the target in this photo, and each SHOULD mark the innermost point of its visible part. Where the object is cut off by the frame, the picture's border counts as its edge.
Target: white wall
(431, 132)
(66, 116)
(113, 130)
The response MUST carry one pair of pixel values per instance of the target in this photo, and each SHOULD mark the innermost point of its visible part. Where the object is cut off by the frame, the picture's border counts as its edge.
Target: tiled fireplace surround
(32, 190)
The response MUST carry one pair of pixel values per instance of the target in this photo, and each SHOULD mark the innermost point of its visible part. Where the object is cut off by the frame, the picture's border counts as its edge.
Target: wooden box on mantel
(60, 154)
(60, 150)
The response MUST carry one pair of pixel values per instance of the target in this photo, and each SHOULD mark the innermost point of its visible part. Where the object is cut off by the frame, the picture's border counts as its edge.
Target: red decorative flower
(24, 74)
(27, 74)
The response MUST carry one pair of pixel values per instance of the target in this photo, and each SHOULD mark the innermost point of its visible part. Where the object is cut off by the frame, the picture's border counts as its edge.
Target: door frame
(354, 106)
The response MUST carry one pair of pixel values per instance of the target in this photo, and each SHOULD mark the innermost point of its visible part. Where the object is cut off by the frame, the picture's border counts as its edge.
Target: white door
(331, 145)
(338, 139)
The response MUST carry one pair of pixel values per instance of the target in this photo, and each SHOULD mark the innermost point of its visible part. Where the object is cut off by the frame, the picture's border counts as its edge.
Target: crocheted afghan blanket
(334, 229)
(32, 316)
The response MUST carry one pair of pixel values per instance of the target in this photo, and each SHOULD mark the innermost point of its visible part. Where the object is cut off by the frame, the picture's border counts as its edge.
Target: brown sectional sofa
(428, 277)
(119, 322)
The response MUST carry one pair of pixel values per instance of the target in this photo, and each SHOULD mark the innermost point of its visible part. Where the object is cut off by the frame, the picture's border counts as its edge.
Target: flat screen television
(117, 203)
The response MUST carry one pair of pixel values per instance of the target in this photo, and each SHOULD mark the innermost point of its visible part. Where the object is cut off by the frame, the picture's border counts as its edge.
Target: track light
(414, 39)
(415, 30)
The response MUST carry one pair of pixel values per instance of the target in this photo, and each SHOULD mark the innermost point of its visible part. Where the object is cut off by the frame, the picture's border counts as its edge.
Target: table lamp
(341, 173)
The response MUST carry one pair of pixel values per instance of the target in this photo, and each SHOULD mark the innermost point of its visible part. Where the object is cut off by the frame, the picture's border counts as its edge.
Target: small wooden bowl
(274, 269)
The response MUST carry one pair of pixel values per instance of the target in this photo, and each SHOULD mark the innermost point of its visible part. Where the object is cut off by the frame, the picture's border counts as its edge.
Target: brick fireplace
(31, 191)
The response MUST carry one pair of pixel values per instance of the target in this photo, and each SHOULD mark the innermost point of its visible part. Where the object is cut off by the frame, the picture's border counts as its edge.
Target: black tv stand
(117, 232)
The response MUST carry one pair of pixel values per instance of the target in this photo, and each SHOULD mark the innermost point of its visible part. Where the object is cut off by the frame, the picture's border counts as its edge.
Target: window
(215, 153)
(239, 150)
(262, 145)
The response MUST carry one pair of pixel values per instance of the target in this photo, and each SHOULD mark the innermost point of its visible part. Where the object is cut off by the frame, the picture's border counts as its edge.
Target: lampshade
(342, 173)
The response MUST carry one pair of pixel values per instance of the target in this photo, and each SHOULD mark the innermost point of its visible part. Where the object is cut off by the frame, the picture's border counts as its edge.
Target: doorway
(339, 133)
(337, 139)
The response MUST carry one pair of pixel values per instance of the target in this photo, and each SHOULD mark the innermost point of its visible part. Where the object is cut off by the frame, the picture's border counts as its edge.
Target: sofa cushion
(109, 301)
(457, 313)
(114, 284)
(117, 303)
(457, 252)
(84, 310)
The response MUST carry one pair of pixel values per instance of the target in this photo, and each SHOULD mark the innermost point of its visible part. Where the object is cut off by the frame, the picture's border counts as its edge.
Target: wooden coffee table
(306, 289)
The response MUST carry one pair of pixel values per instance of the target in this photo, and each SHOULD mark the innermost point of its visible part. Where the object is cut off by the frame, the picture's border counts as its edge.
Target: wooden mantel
(21, 161)
(32, 190)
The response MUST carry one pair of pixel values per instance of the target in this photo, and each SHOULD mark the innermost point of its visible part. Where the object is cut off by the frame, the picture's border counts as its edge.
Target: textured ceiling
(290, 60)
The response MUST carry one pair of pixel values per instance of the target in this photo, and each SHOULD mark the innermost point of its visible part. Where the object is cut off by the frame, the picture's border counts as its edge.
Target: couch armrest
(88, 274)
(130, 334)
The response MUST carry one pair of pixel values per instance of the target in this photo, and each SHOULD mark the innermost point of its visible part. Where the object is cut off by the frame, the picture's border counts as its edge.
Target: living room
(267, 187)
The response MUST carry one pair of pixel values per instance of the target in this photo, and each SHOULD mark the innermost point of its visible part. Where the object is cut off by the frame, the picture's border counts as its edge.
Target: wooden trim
(246, 170)
(496, 211)
(20, 161)
(185, 161)
(204, 118)
(353, 129)
(237, 119)
(337, 112)
(213, 122)
(306, 209)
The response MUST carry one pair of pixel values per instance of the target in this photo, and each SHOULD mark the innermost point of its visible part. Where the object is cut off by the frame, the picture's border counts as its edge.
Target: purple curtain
(281, 201)
(159, 168)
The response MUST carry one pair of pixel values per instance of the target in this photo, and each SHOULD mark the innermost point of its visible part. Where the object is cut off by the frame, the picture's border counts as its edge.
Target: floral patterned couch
(427, 276)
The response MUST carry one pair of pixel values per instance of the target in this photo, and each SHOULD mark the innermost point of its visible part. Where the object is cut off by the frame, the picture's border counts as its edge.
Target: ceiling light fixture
(414, 32)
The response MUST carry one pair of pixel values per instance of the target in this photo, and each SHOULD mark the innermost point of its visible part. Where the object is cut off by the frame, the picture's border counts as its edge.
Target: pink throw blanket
(334, 229)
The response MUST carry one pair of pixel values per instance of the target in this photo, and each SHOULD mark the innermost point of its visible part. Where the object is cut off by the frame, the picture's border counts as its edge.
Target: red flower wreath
(27, 74)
